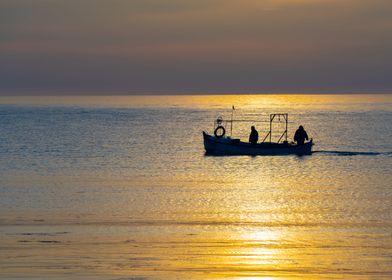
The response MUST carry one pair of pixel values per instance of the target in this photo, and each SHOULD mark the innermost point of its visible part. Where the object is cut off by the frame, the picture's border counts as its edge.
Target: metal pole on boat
(231, 123)
(271, 118)
(287, 121)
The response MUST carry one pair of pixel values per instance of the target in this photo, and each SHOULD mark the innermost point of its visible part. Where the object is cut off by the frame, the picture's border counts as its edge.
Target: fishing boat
(220, 144)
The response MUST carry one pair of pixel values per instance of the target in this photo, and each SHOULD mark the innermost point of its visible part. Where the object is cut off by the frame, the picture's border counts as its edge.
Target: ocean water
(120, 188)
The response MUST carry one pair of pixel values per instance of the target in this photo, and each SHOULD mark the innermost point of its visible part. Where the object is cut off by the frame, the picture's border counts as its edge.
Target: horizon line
(74, 93)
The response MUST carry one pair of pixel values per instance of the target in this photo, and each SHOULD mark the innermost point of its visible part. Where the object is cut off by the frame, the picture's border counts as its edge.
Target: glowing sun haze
(192, 46)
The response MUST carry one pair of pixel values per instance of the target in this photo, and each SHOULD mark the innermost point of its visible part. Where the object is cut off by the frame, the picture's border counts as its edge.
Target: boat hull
(226, 146)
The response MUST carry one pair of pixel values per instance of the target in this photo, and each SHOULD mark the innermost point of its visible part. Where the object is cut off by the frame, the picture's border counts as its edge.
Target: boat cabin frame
(273, 118)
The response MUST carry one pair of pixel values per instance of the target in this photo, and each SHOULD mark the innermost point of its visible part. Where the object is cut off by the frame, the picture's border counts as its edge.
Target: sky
(195, 46)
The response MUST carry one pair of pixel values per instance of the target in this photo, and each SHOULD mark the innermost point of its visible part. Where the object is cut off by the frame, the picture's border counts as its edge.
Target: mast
(231, 122)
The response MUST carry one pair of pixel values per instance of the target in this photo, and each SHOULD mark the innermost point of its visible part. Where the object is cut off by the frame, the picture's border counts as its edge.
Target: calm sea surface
(120, 188)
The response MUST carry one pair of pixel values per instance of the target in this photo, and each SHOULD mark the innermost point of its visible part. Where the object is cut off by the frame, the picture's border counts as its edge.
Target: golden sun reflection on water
(244, 101)
(146, 210)
(258, 252)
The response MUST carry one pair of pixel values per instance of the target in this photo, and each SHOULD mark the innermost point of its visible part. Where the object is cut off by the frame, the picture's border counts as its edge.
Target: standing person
(254, 136)
(300, 135)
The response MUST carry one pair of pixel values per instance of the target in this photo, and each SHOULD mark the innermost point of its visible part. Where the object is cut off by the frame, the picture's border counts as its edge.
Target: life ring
(217, 129)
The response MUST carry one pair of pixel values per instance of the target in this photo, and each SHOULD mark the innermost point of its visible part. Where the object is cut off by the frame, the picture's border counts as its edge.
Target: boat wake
(352, 153)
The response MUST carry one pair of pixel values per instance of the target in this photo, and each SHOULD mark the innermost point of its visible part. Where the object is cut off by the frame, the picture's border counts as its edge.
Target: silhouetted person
(254, 136)
(300, 135)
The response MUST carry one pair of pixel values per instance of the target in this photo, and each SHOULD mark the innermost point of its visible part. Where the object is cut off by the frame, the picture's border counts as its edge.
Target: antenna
(231, 122)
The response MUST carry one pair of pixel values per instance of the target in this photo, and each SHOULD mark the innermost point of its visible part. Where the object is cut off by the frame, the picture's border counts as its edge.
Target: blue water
(72, 168)
(59, 151)
(69, 140)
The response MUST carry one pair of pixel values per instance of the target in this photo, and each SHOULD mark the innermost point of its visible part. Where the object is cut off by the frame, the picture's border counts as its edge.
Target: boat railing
(282, 118)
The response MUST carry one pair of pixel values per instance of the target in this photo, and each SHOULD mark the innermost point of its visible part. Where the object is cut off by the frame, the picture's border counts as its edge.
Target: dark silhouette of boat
(219, 144)
(227, 146)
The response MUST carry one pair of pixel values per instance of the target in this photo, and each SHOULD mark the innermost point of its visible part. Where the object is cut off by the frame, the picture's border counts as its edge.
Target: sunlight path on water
(244, 102)
(120, 188)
